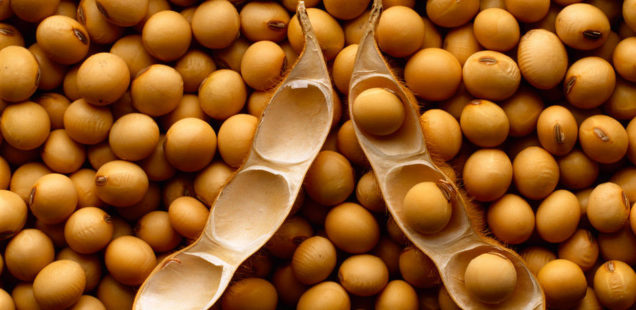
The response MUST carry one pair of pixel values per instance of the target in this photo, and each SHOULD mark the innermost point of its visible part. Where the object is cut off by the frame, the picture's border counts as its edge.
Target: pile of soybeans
(122, 120)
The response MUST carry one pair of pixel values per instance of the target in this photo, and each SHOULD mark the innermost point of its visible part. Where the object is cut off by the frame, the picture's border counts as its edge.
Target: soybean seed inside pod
(490, 277)
(378, 111)
(427, 207)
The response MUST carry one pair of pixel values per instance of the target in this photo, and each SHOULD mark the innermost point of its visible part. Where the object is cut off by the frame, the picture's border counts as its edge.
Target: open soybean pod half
(400, 160)
(256, 201)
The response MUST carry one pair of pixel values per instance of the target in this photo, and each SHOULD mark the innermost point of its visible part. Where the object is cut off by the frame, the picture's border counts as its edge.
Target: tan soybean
(61, 153)
(496, 29)
(289, 235)
(427, 207)
(563, 283)
(608, 207)
(59, 285)
(558, 216)
(249, 292)
(603, 139)
(542, 58)
(314, 260)
(589, 82)
(166, 35)
(88, 230)
(209, 181)
(63, 39)
(188, 216)
(222, 94)
(535, 172)
(620, 245)
(577, 171)
(623, 63)
(264, 21)
(511, 219)
(330, 179)
(99, 28)
(91, 263)
(343, 67)
(25, 125)
(27, 253)
(615, 285)
(487, 174)
(581, 248)
(348, 145)
(418, 269)
(345, 10)
(155, 228)
(368, 193)
(363, 275)
(55, 105)
(131, 49)
(461, 42)
(352, 228)
(194, 67)
(378, 111)
(484, 123)
(86, 123)
(235, 138)
(53, 198)
(190, 144)
(157, 90)
(289, 289)
(123, 13)
(442, 132)
(51, 74)
(263, 65)
(523, 110)
(121, 183)
(528, 11)
(88, 302)
(13, 214)
(329, 33)
(216, 24)
(582, 26)
(491, 75)
(103, 78)
(536, 257)
(33, 11)
(20, 73)
(490, 277)
(400, 31)
(621, 104)
(449, 13)
(557, 130)
(115, 295)
(325, 295)
(129, 260)
(133, 136)
(441, 78)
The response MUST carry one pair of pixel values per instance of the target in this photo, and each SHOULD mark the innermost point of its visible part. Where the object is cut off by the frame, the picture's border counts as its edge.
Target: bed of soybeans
(122, 121)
